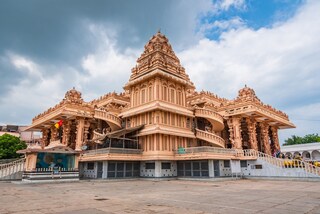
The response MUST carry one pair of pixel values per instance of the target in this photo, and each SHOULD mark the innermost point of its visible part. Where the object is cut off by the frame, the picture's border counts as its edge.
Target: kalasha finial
(245, 85)
(159, 30)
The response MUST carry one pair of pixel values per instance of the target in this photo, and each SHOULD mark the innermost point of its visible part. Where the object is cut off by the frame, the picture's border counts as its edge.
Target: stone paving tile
(83, 211)
(176, 196)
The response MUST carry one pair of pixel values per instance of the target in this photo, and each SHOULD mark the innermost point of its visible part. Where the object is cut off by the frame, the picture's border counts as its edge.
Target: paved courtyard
(149, 196)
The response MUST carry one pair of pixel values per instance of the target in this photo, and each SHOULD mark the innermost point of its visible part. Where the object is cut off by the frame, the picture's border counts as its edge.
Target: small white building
(308, 152)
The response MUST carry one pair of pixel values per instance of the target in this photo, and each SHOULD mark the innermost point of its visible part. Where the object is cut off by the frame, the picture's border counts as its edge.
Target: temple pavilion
(159, 126)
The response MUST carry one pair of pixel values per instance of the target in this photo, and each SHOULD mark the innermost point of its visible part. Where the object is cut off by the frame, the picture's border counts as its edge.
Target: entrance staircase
(12, 170)
(303, 169)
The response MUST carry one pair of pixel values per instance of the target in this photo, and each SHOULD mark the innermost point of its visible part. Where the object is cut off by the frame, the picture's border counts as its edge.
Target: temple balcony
(157, 105)
(207, 152)
(214, 118)
(211, 138)
(166, 129)
(113, 121)
(111, 154)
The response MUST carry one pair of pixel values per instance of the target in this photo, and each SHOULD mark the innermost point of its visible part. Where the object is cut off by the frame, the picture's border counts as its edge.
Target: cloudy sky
(47, 47)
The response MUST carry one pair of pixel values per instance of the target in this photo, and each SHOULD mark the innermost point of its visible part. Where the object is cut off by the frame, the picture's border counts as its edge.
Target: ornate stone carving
(252, 125)
(44, 141)
(159, 53)
(66, 132)
(275, 138)
(73, 96)
(54, 133)
(231, 133)
(265, 138)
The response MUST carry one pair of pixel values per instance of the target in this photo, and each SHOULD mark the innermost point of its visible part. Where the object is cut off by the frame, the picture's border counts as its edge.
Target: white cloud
(24, 64)
(227, 4)
(281, 63)
(44, 85)
(107, 68)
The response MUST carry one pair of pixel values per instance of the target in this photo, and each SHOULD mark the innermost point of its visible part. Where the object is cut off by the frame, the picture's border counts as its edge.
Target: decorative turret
(247, 94)
(73, 96)
(158, 53)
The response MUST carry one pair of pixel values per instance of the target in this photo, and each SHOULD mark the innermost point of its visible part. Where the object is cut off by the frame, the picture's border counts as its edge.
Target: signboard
(181, 150)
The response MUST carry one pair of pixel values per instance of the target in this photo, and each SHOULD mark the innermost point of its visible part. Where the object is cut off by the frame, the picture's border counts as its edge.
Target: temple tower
(157, 89)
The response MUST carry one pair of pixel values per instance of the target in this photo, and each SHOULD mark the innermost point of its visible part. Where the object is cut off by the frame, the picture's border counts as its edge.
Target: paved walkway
(176, 196)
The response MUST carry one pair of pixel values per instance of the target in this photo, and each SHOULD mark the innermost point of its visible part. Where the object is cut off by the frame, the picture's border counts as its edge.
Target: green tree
(9, 145)
(309, 138)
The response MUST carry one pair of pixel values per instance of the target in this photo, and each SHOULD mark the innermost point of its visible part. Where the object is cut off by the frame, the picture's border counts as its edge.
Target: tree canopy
(309, 138)
(9, 145)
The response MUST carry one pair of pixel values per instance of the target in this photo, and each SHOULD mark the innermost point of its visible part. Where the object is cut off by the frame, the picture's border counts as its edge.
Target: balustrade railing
(283, 163)
(101, 114)
(111, 151)
(210, 137)
(12, 167)
(209, 113)
(206, 149)
(55, 169)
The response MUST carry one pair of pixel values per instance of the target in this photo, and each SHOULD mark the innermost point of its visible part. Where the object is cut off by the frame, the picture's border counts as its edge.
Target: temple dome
(73, 96)
(246, 94)
(158, 54)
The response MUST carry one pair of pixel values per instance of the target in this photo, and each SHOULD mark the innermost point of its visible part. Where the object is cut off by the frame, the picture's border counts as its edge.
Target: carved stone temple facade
(160, 126)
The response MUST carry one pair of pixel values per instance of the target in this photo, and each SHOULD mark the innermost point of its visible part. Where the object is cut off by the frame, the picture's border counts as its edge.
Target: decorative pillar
(79, 134)
(31, 161)
(252, 126)
(44, 141)
(235, 132)
(231, 135)
(86, 130)
(275, 138)
(66, 126)
(265, 138)
(54, 134)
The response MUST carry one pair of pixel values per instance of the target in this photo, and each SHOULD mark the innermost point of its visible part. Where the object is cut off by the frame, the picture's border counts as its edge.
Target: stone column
(31, 161)
(80, 132)
(275, 138)
(54, 134)
(235, 132)
(252, 125)
(211, 168)
(231, 135)
(157, 169)
(44, 141)
(66, 126)
(265, 138)
(86, 130)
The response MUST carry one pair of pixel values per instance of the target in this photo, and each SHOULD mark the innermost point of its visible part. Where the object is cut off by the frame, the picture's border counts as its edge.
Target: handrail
(284, 163)
(12, 167)
(101, 114)
(111, 151)
(210, 137)
(208, 149)
(51, 169)
(7, 165)
(210, 113)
